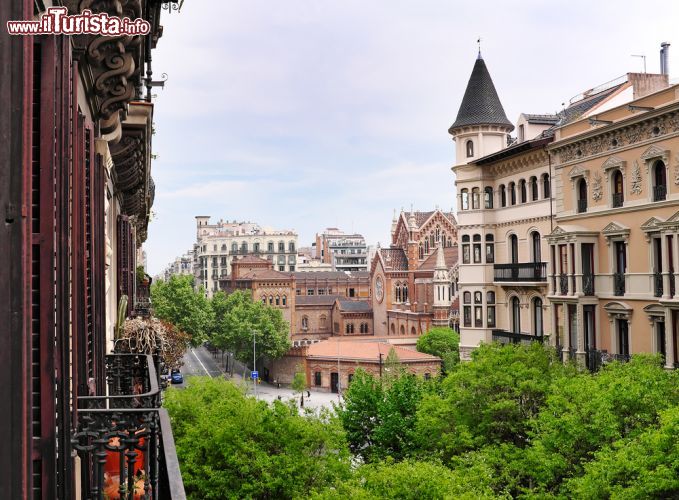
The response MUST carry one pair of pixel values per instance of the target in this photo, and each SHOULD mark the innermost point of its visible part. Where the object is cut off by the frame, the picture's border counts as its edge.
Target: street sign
(255, 374)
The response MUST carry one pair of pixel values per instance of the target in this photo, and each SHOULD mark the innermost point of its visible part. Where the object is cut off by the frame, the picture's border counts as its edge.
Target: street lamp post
(254, 359)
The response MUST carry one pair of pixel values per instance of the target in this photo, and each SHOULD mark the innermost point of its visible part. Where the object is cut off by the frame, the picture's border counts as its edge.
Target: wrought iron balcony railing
(658, 287)
(618, 200)
(619, 284)
(659, 193)
(672, 289)
(563, 284)
(506, 337)
(588, 284)
(123, 438)
(527, 272)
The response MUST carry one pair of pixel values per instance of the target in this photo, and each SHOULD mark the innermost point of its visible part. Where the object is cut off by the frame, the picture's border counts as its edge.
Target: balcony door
(587, 250)
(516, 315)
(622, 328)
(514, 249)
(620, 268)
(535, 240)
(538, 322)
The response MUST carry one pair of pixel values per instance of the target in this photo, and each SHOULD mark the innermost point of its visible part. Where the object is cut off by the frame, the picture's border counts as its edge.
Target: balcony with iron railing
(619, 284)
(618, 200)
(124, 438)
(563, 284)
(507, 337)
(582, 206)
(658, 287)
(524, 272)
(659, 193)
(588, 284)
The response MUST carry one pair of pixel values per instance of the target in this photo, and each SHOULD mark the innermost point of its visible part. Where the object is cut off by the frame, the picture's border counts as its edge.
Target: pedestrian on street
(308, 394)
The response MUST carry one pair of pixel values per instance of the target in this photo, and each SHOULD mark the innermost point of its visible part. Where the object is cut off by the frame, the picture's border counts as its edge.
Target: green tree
(444, 343)
(299, 383)
(488, 401)
(586, 413)
(646, 466)
(393, 368)
(237, 316)
(176, 302)
(359, 412)
(409, 480)
(233, 446)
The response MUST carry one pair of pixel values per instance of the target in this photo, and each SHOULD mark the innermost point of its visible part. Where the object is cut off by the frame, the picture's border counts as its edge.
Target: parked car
(176, 377)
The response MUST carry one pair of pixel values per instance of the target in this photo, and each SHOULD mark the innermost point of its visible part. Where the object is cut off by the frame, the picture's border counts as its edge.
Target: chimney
(664, 67)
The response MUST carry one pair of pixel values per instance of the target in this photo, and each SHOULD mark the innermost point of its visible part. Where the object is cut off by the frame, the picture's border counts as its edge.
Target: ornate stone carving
(597, 191)
(636, 179)
(676, 171)
(633, 134)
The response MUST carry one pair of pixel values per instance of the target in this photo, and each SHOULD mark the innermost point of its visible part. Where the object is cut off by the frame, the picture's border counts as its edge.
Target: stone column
(665, 245)
(669, 339)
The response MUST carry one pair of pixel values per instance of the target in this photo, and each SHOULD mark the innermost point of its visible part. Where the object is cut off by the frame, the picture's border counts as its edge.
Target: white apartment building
(218, 244)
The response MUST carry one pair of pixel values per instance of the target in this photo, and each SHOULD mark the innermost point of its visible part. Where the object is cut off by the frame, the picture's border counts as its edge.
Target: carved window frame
(575, 174)
(652, 154)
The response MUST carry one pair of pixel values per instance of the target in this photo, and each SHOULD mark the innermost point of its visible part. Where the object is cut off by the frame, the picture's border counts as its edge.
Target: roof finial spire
(479, 42)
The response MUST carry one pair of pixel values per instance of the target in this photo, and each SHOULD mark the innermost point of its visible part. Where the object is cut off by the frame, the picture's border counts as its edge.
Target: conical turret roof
(480, 104)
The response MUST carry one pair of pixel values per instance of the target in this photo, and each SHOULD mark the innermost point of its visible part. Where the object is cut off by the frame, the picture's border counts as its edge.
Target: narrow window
(465, 199)
(503, 196)
(470, 149)
(488, 197)
(514, 249)
(475, 199)
(659, 181)
(582, 196)
(533, 188)
(546, 190)
(512, 193)
(522, 189)
(618, 192)
(516, 315)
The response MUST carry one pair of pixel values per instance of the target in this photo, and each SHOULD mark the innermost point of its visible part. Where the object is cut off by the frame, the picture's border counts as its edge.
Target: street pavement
(200, 362)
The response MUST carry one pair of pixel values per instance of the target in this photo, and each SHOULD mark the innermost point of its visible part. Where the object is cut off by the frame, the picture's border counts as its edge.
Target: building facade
(217, 244)
(344, 252)
(614, 249)
(423, 248)
(75, 198)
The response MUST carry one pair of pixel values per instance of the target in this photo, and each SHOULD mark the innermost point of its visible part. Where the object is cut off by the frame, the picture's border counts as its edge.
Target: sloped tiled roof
(394, 259)
(450, 255)
(316, 300)
(579, 108)
(541, 119)
(266, 274)
(354, 305)
(480, 104)
(322, 275)
(365, 351)
(422, 217)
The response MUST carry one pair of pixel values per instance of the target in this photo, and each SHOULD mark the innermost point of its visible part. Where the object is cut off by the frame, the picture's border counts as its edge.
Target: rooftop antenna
(643, 56)
(479, 42)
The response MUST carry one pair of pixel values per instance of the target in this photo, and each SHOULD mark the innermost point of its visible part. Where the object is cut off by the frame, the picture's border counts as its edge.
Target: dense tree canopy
(176, 302)
(444, 343)
(512, 423)
(233, 446)
(237, 316)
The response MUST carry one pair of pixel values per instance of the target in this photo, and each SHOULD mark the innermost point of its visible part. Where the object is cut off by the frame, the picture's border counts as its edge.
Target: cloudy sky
(305, 114)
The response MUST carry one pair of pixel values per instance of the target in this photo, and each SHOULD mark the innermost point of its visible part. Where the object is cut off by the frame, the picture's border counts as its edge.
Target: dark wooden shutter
(125, 261)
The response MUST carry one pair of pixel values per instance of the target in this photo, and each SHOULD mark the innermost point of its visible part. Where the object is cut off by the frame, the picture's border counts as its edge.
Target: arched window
(405, 292)
(426, 245)
(546, 189)
(512, 193)
(477, 248)
(516, 315)
(476, 202)
(432, 243)
(514, 249)
(398, 292)
(393, 329)
(535, 246)
(278, 300)
(582, 196)
(659, 181)
(322, 322)
(503, 196)
(533, 188)
(467, 298)
(403, 330)
(618, 191)
(421, 248)
(291, 247)
(490, 249)
(465, 249)
(364, 327)
(269, 246)
(537, 317)
(490, 297)
(234, 247)
(255, 247)
(264, 299)
(224, 247)
(413, 331)
(464, 194)
(270, 300)
(470, 149)
(350, 328)
(285, 300)
(305, 323)
(438, 234)
(488, 197)
(522, 190)
(244, 247)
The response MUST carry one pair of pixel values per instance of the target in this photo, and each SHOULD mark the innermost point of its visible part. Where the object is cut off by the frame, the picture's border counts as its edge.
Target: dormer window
(521, 133)
(470, 149)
